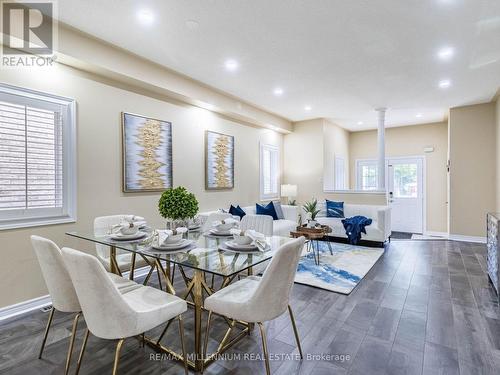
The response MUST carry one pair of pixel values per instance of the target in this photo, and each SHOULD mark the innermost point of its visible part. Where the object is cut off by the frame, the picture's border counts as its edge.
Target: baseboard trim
(24, 307)
(436, 234)
(459, 237)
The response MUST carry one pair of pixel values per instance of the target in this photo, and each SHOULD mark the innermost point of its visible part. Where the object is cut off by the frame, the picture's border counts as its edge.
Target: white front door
(406, 195)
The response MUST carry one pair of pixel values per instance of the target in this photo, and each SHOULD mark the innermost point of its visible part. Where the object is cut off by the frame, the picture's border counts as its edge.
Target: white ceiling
(342, 57)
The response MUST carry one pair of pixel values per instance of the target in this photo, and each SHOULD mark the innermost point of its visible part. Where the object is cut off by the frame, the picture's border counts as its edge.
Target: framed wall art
(147, 153)
(219, 161)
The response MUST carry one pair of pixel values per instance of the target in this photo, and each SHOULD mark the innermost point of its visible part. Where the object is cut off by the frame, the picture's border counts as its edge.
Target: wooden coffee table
(319, 233)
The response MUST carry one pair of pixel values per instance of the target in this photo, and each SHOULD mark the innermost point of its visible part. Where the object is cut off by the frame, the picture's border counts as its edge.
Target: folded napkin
(258, 239)
(133, 218)
(229, 220)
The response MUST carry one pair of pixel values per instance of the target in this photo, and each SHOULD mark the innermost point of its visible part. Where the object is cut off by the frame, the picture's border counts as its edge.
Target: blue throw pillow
(278, 209)
(238, 211)
(334, 209)
(266, 210)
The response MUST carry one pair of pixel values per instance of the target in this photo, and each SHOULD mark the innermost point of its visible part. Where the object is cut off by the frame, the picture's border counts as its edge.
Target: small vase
(312, 223)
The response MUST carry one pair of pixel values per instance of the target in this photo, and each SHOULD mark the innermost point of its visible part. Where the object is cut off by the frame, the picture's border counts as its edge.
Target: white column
(381, 148)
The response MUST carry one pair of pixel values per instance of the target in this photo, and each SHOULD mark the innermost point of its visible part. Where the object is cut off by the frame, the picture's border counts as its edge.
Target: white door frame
(424, 180)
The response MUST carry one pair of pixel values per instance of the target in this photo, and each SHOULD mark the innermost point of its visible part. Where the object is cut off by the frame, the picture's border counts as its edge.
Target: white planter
(312, 223)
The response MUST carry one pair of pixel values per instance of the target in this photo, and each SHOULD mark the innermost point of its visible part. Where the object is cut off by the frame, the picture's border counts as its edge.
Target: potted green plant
(177, 205)
(311, 208)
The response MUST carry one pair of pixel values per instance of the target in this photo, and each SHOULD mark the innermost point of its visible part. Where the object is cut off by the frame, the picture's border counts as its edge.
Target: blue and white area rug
(340, 272)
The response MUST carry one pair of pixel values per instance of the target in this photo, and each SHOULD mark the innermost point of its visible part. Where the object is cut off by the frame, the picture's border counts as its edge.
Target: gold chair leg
(82, 351)
(117, 355)
(71, 343)
(205, 345)
(295, 331)
(47, 328)
(183, 344)
(264, 347)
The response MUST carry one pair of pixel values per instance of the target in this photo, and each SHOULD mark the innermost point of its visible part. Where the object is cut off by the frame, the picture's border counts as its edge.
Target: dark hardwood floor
(426, 307)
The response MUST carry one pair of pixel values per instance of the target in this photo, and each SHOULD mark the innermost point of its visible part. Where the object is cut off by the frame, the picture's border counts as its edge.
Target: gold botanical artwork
(219, 156)
(147, 144)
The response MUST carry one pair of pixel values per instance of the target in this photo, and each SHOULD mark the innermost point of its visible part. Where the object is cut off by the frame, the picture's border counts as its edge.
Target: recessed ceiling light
(278, 91)
(444, 84)
(307, 108)
(231, 65)
(145, 16)
(418, 115)
(360, 122)
(446, 53)
(192, 24)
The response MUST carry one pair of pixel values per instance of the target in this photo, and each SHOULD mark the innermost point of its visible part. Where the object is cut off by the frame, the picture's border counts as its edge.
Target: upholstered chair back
(259, 223)
(215, 216)
(56, 275)
(273, 293)
(102, 225)
(107, 314)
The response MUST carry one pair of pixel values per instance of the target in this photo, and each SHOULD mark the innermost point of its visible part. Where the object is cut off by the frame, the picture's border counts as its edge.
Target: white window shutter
(37, 178)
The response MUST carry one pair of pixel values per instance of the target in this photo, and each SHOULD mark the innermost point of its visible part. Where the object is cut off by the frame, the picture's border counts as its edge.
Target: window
(405, 180)
(269, 172)
(340, 174)
(366, 175)
(37, 158)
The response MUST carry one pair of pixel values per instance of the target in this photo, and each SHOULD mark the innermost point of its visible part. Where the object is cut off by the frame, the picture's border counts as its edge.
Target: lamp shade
(288, 190)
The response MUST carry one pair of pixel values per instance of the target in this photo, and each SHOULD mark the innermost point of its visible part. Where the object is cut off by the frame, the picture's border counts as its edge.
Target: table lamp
(289, 191)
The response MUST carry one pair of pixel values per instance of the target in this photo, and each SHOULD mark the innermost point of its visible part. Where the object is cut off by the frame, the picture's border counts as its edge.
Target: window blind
(31, 163)
(269, 171)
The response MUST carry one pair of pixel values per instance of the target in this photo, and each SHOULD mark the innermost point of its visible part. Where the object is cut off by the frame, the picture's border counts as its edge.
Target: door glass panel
(369, 177)
(405, 180)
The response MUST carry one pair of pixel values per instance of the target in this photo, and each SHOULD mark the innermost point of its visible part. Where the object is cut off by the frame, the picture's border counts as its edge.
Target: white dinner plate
(127, 237)
(215, 232)
(224, 247)
(233, 245)
(176, 246)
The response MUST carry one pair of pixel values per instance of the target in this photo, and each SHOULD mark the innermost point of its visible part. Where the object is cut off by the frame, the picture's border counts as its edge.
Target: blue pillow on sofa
(334, 209)
(266, 210)
(238, 211)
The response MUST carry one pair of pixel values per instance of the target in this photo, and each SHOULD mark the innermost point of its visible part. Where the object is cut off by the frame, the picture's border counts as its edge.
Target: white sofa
(378, 231)
(281, 227)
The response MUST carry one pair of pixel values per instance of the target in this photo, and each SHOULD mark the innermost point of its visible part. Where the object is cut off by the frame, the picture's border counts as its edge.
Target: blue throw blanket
(354, 226)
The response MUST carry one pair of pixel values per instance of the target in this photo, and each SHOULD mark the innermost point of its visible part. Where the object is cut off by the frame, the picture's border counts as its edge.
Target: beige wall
(473, 168)
(335, 144)
(306, 152)
(99, 166)
(303, 158)
(410, 141)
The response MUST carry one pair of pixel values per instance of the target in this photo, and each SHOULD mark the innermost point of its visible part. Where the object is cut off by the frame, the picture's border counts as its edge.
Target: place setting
(222, 228)
(130, 228)
(172, 241)
(249, 241)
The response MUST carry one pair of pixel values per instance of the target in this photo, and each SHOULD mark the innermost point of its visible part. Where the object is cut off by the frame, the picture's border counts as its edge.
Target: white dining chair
(213, 217)
(114, 316)
(260, 223)
(259, 299)
(61, 290)
(125, 259)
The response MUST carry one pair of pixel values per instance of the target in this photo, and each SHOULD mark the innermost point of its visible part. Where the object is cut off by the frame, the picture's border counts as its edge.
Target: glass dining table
(203, 258)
